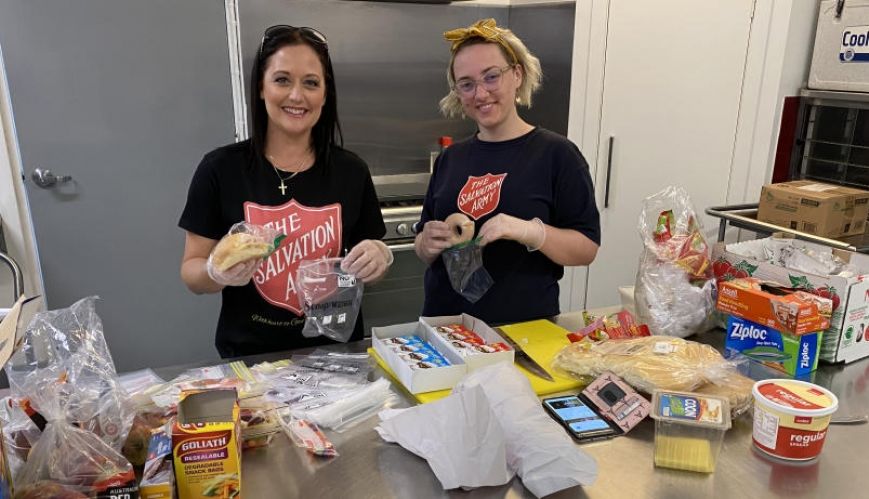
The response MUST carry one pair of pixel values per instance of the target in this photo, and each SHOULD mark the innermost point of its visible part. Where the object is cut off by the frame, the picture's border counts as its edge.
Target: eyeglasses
(309, 34)
(491, 81)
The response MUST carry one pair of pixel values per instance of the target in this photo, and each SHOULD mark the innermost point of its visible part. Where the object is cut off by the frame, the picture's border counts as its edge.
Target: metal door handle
(609, 169)
(45, 178)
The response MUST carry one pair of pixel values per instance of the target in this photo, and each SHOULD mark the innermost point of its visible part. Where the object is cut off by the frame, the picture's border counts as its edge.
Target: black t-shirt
(326, 211)
(540, 174)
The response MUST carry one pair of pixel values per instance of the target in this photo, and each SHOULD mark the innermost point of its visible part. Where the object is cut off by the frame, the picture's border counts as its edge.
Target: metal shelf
(744, 216)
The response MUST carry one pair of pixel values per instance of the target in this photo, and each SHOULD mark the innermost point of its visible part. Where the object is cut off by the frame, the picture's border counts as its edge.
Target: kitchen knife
(524, 360)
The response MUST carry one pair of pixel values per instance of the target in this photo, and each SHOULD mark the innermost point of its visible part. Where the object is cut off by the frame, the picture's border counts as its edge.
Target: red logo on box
(802, 420)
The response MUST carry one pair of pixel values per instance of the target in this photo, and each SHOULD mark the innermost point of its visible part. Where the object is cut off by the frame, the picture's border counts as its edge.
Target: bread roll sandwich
(237, 248)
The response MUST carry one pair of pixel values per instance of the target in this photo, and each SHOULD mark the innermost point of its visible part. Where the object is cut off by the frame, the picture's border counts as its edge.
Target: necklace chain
(283, 187)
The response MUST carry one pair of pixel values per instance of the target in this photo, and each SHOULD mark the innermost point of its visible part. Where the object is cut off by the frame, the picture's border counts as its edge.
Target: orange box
(796, 312)
(205, 445)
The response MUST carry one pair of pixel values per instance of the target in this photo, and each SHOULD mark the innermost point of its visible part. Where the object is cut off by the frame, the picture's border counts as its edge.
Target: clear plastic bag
(244, 242)
(349, 364)
(68, 377)
(330, 298)
(468, 276)
(658, 363)
(674, 287)
(65, 370)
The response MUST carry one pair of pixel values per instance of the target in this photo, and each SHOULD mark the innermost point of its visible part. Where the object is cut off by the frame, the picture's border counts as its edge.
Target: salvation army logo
(480, 195)
(312, 234)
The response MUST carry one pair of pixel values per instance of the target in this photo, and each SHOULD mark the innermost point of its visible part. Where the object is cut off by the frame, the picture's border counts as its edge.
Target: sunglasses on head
(309, 34)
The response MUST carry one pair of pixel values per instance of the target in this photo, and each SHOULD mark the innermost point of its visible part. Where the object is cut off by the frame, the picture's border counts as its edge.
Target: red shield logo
(312, 234)
(480, 195)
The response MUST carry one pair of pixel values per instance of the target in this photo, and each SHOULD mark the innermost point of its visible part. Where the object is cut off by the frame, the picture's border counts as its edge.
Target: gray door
(125, 97)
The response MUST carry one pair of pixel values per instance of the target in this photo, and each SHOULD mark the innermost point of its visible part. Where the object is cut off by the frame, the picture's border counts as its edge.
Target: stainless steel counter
(368, 467)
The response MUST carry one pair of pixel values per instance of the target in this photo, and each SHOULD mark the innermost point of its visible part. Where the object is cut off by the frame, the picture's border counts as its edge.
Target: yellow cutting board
(540, 339)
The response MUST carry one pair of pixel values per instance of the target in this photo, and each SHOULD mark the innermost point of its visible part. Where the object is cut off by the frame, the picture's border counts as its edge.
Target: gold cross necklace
(283, 186)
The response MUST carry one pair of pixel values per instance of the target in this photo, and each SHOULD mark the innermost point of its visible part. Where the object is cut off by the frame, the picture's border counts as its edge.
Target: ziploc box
(206, 446)
(795, 355)
(847, 338)
(417, 380)
(795, 312)
(474, 361)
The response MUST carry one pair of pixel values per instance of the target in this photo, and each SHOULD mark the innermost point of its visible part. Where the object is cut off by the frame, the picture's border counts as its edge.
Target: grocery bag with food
(674, 280)
(464, 260)
(330, 297)
(66, 379)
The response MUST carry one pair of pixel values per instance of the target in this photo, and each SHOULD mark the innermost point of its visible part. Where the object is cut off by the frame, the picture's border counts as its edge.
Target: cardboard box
(850, 296)
(482, 329)
(795, 313)
(417, 380)
(795, 355)
(206, 446)
(815, 208)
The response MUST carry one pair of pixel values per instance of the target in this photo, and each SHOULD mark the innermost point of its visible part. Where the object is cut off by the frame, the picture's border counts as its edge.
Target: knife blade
(524, 360)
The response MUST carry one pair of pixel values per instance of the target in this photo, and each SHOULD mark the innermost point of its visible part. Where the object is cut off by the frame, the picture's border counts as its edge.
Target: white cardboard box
(418, 380)
(482, 329)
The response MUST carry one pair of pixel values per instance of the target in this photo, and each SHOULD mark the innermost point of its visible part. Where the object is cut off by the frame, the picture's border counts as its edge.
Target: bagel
(237, 248)
(461, 228)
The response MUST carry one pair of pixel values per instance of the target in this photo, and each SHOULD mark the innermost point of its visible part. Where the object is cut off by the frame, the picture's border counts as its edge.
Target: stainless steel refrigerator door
(124, 97)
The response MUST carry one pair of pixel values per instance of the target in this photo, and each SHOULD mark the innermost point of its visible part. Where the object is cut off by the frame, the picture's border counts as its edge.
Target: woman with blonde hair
(527, 190)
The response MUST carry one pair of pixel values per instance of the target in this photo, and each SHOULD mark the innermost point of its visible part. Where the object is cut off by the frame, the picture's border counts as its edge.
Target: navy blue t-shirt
(540, 174)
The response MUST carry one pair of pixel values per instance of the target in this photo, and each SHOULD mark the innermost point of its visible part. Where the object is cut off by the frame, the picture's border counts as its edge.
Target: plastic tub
(791, 418)
(689, 429)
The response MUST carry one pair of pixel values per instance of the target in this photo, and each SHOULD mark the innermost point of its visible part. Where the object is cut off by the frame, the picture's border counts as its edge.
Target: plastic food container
(689, 429)
(791, 418)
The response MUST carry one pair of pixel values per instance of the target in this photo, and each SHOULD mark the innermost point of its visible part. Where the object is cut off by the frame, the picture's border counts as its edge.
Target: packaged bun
(658, 362)
(238, 247)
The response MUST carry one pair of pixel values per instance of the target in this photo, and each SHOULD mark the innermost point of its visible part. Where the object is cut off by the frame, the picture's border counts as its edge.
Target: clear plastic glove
(531, 233)
(368, 260)
(235, 258)
(238, 275)
(434, 239)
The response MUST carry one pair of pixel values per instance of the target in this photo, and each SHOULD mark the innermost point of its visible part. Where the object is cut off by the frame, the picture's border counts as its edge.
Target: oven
(398, 297)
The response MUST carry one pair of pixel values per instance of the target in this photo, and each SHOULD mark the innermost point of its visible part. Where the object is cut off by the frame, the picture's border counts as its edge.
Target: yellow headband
(486, 29)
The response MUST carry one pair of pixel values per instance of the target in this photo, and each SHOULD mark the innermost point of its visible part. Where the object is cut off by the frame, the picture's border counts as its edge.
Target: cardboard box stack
(815, 208)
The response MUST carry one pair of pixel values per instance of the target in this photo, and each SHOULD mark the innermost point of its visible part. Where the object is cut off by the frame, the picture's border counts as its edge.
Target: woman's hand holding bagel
(436, 236)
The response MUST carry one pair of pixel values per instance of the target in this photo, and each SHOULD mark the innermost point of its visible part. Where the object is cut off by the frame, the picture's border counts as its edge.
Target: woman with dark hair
(291, 175)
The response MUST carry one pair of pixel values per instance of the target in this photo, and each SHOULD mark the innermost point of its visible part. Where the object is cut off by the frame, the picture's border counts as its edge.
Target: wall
(779, 57)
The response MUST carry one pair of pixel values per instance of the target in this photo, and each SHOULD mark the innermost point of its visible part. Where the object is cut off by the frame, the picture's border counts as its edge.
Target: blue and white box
(795, 355)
